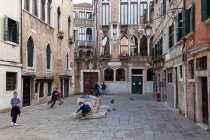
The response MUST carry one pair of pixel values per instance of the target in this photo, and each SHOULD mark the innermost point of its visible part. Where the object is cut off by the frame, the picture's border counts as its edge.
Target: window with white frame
(74, 14)
(120, 74)
(81, 33)
(143, 12)
(34, 7)
(89, 34)
(105, 12)
(42, 9)
(134, 12)
(124, 12)
(88, 15)
(82, 15)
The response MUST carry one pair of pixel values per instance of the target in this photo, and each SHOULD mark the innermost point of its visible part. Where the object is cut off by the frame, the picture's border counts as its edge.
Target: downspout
(21, 26)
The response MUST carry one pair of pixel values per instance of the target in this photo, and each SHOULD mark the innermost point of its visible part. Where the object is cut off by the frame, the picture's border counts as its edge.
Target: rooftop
(83, 5)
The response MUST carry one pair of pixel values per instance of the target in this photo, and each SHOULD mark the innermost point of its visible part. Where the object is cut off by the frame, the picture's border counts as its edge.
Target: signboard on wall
(114, 64)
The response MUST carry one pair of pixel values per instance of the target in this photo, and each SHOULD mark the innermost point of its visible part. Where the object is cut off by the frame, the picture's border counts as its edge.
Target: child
(54, 97)
(85, 109)
(15, 103)
(59, 98)
(91, 89)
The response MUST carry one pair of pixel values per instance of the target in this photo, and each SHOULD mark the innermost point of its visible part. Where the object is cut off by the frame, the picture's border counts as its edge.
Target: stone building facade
(47, 49)
(122, 47)
(10, 47)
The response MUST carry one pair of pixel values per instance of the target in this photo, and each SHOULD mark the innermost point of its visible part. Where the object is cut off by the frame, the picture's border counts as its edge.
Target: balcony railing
(80, 22)
(84, 43)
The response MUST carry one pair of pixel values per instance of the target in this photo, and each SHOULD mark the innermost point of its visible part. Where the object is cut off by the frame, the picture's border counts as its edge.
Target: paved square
(141, 119)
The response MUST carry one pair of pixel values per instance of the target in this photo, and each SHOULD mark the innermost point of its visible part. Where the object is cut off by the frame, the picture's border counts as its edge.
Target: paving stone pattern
(141, 119)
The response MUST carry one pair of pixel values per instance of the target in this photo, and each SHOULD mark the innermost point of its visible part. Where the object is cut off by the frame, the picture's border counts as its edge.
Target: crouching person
(85, 109)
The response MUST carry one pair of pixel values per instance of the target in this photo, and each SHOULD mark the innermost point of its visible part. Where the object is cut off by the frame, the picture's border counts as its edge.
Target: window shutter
(204, 10)
(164, 7)
(153, 53)
(156, 51)
(177, 28)
(6, 28)
(208, 8)
(14, 32)
(161, 46)
(18, 33)
(187, 22)
(193, 16)
(30, 53)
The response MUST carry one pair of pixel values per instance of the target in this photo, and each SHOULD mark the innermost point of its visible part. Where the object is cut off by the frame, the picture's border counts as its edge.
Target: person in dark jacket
(15, 103)
(103, 89)
(54, 97)
(97, 89)
(85, 109)
(92, 89)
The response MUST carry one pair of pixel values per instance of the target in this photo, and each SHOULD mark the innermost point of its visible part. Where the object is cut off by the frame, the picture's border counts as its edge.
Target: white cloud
(79, 1)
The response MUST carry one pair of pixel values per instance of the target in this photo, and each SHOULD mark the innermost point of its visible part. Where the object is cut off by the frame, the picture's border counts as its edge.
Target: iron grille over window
(201, 63)
(191, 69)
(11, 78)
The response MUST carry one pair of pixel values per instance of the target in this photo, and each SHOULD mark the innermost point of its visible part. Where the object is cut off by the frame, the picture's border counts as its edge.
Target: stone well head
(92, 101)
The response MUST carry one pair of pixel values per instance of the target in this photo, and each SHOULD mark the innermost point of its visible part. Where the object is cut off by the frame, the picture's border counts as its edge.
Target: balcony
(83, 22)
(85, 43)
(105, 57)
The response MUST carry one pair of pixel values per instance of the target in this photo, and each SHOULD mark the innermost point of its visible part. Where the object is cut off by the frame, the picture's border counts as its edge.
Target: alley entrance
(89, 78)
(137, 84)
(26, 91)
(205, 100)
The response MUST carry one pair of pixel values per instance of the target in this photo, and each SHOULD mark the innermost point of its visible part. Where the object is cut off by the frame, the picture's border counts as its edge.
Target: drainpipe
(21, 26)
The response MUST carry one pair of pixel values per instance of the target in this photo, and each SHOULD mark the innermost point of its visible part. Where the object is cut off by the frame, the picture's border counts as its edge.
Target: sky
(79, 1)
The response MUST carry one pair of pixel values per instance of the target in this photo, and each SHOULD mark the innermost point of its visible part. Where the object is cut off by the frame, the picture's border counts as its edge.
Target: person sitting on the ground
(85, 109)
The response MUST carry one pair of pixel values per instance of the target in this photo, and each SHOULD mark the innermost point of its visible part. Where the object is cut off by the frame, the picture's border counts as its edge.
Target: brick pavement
(141, 119)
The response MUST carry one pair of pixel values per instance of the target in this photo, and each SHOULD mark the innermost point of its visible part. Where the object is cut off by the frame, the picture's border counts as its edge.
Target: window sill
(69, 69)
(11, 43)
(49, 70)
(31, 69)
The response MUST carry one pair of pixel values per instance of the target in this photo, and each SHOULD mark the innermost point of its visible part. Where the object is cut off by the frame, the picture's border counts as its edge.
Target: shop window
(108, 74)
(120, 74)
(11, 81)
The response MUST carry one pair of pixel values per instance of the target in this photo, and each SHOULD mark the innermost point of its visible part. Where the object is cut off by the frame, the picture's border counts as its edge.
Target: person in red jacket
(59, 98)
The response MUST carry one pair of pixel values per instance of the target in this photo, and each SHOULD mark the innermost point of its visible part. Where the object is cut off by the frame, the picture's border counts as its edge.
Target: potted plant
(61, 34)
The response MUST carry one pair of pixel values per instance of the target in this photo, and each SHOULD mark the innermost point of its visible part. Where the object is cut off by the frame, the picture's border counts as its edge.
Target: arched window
(134, 46)
(120, 74)
(143, 46)
(105, 12)
(59, 18)
(124, 46)
(69, 26)
(67, 61)
(81, 33)
(48, 56)
(89, 34)
(81, 53)
(108, 74)
(88, 54)
(49, 11)
(42, 8)
(105, 45)
(34, 7)
(124, 12)
(26, 4)
(30, 52)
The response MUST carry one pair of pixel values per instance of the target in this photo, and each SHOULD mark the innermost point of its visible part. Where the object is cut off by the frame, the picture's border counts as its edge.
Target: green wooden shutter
(18, 33)
(177, 28)
(192, 17)
(14, 32)
(187, 22)
(6, 37)
(204, 10)
(164, 7)
(30, 52)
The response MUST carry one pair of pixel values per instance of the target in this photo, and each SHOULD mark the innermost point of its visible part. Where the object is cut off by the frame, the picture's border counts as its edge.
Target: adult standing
(15, 103)
(103, 89)
(97, 89)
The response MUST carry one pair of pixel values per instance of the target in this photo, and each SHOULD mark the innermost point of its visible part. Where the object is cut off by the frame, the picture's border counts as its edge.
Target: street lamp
(148, 32)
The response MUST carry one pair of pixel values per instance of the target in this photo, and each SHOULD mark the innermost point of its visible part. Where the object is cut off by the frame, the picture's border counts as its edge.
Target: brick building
(10, 47)
(84, 48)
(122, 47)
(198, 55)
(47, 49)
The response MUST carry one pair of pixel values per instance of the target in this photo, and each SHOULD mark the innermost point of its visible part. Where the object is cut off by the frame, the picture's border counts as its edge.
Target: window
(158, 49)
(74, 14)
(89, 34)
(81, 54)
(26, 4)
(49, 89)
(41, 90)
(149, 75)
(34, 7)
(42, 8)
(169, 77)
(49, 11)
(69, 27)
(11, 81)
(108, 74)
(190, 19)
(124, 12)
(124, 46)
(88, 54)
(164, 7)
(36, 87)
(67, 61)
(59, 19)
(81, 34)
(191, 69)
(143, 13)
(180, 71)
(134, 46)
(179, 27)
(137, 71)
(134, 12)
(120, 74)
(82, 15)
(201, 63)
(30, 52)
(105, 46)
(48, 55)
(143, 46)
(171, 36)
(11, 30)
(105, 12)
(89, 15)
(205, 10)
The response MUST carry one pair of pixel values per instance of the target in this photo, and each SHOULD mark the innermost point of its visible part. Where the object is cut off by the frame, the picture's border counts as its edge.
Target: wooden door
(205, 100)
(66, 88)
(89, 78)
(137, 84)
(26, 91)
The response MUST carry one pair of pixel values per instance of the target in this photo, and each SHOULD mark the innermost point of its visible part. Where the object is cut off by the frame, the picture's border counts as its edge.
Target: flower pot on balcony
(71, 39)
(60, 34)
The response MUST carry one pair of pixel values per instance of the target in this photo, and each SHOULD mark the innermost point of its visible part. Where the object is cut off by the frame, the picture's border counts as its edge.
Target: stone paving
(141, 119)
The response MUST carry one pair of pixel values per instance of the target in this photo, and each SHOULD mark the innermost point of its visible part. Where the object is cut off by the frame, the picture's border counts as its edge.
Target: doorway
(137, 84)
(89, 78)
(66, 88)
(205, 100)
(26, 91)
